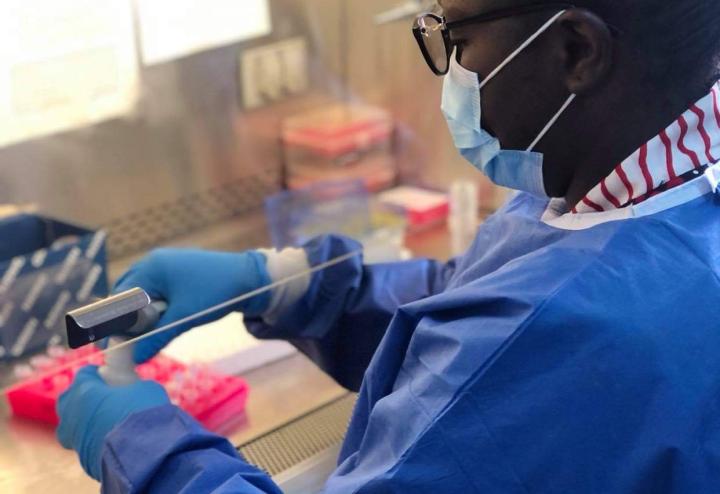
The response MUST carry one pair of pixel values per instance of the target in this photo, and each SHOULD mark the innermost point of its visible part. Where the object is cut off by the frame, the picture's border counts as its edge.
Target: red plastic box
(340, 142)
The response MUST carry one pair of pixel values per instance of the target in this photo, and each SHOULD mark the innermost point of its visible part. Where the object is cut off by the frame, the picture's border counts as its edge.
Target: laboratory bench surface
(31, 460)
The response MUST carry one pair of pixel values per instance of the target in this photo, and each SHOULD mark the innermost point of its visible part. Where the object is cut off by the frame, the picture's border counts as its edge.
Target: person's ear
(587, 50)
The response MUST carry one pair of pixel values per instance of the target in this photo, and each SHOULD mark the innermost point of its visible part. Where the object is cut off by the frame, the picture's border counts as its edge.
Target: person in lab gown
(574, 348)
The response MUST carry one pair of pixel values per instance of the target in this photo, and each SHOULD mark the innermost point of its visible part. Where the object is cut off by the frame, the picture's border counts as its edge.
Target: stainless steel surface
(310, 476)
(298, 441)
(282, 392)
(32, 461)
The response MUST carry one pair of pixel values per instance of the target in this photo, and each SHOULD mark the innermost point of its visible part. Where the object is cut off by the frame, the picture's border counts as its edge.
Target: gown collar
(680, 153)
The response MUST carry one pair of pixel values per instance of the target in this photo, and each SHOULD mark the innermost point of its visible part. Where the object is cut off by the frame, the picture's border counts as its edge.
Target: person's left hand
(90, 409)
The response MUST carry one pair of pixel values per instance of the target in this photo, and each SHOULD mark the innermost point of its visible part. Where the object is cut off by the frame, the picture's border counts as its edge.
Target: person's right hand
(191, 281)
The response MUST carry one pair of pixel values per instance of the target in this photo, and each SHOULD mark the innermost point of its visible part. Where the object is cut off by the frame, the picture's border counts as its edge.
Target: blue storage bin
(47, 267)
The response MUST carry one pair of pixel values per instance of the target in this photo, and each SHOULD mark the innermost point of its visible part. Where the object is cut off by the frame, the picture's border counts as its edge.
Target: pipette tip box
(210, 397)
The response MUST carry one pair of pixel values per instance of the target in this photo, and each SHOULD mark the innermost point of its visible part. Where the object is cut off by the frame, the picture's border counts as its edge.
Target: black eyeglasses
(432, 31)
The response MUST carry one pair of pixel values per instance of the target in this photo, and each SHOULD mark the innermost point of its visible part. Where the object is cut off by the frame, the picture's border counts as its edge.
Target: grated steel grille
(283, 448)
(151, 227)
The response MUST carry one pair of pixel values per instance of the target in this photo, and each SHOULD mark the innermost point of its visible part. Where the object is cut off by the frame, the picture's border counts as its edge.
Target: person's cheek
(521, 100)
(502, 99)
(501, 116)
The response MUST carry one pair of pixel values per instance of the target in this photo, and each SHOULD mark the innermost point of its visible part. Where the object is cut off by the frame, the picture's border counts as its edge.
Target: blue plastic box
(47, 267)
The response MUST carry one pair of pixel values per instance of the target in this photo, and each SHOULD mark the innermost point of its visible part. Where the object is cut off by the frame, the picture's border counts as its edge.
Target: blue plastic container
(47, 267)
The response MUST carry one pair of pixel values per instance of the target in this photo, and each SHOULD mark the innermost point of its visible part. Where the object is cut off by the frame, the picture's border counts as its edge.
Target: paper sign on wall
(171, 29)
(64, 64)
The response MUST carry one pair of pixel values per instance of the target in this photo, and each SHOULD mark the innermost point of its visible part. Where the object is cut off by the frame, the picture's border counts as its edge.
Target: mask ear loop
(552, 122)
(521, 48)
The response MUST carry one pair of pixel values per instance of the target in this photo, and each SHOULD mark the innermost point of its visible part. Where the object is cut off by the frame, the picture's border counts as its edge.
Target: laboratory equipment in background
(340, 142)
(213, 398)
(342, 207)
(422, 208)
(463, 221)
(46, 267)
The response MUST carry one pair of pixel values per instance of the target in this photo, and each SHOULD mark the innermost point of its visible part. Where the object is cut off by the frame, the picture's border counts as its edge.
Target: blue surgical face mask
(518, 170)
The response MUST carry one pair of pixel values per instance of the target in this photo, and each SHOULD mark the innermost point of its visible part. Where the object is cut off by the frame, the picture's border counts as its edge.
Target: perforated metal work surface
(301, 439)
(151, 227)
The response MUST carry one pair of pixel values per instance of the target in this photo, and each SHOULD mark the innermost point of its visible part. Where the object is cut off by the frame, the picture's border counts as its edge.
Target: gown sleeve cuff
(283, 264)
(135, 450)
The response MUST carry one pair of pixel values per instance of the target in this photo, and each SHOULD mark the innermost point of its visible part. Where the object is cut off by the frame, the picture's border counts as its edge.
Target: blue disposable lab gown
(545, 360)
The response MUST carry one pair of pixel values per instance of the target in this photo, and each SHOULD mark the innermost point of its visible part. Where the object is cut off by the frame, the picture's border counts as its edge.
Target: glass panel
(266, 142)
(208, 372)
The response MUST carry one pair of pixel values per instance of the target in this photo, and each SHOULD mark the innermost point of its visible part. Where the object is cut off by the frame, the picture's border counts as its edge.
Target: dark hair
(679, 38)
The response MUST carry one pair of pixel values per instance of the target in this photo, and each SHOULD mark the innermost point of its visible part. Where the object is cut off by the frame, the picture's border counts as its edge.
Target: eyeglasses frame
(420, 28)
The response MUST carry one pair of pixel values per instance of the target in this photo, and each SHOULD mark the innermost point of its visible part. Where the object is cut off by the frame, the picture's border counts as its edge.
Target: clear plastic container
(345, 208)
(340, 142)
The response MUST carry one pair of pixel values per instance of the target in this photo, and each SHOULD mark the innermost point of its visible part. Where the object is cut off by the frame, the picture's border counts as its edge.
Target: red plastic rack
(212, 398)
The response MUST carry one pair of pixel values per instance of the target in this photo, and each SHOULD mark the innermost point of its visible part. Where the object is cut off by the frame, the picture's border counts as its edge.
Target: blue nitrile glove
(90, 409)
(191, 281)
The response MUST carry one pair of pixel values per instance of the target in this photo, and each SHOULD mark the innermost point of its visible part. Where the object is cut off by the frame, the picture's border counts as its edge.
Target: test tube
(174, 387)
(189, 400)
(173, 392)
(42, 363)
(463, 220)
(23, 371)
(57, 353)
